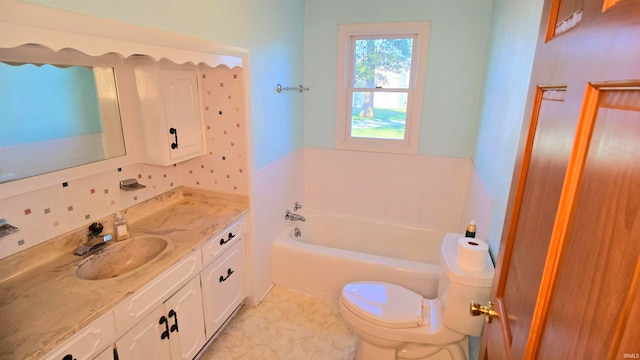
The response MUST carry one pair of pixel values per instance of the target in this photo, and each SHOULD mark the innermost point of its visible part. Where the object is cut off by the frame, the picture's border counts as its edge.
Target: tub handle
(224, 278)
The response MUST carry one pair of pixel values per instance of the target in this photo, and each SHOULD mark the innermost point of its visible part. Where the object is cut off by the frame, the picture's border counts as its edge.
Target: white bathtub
(335, 250)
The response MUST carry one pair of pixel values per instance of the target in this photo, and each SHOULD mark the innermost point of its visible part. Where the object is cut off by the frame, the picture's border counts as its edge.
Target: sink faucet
(293, 217)
(95, 241)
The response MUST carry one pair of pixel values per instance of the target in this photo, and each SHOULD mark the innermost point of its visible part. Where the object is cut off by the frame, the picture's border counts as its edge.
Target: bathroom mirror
(58, 110)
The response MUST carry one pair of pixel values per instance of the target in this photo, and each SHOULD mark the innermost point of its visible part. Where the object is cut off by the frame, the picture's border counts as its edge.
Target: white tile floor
(289, 325)
(286, 325)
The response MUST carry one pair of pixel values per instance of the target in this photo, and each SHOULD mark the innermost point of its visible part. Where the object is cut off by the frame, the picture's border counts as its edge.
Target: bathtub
(334, 250)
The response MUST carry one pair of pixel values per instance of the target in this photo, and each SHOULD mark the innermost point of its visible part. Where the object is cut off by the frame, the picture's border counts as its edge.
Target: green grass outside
(385, 124)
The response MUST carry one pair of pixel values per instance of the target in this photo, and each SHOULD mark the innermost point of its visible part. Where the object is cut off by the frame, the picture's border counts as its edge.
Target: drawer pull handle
(174, 315)
(224, 278)
(229, 238)
(165, 334)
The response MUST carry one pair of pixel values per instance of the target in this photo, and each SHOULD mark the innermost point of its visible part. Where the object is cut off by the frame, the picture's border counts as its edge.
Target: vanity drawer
(136, 306)
(87, 343)
(222, 240)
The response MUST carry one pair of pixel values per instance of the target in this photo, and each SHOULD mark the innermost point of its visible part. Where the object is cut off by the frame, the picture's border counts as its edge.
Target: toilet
(393, 322)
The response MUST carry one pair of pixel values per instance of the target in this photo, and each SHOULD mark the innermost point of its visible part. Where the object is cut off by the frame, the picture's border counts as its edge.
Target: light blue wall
(45, 102)
(458, 42)
(514, 33)
(272, 30)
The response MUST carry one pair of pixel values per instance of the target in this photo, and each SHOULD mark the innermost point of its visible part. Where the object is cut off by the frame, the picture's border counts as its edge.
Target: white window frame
(347, 34)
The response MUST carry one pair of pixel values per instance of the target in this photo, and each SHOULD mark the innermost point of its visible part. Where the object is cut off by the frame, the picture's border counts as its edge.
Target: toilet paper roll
(472, 254)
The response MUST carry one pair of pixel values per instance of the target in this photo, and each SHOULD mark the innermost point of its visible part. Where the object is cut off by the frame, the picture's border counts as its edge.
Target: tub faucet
(95, 241)
(293, 217)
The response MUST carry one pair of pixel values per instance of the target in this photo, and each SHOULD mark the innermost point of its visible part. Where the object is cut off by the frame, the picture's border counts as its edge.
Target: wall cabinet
(173, 330)
(172, 126)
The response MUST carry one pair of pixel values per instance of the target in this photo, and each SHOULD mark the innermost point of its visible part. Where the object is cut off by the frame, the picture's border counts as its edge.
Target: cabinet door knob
(174, 132)
(174, 315)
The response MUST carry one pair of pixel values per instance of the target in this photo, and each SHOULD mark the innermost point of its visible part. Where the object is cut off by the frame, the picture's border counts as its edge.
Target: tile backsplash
(45, 213)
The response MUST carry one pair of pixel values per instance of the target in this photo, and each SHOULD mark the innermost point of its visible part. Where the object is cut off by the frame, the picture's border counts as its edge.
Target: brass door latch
(476, 309)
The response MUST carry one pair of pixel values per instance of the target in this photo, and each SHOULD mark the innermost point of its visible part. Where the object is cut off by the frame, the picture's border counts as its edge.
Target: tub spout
(293, 217)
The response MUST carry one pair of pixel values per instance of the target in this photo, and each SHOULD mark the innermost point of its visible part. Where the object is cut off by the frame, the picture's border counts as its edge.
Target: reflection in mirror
(59, 110)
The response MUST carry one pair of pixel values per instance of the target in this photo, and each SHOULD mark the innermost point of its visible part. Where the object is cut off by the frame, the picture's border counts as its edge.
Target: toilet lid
(384, 304)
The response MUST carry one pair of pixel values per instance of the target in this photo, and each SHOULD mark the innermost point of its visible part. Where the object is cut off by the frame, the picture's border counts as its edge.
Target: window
(381, 70)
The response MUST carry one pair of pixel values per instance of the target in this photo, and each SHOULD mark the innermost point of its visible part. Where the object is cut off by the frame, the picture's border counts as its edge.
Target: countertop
(47, 303)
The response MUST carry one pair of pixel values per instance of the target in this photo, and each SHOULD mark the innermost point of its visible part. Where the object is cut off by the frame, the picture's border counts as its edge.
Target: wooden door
(568, 271)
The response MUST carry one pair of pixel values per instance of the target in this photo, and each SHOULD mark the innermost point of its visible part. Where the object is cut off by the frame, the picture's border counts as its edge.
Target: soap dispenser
(471, 230)
(121, 227)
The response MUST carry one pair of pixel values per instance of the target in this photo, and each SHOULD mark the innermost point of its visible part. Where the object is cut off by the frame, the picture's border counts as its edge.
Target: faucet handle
(297, 206)
(95, 229)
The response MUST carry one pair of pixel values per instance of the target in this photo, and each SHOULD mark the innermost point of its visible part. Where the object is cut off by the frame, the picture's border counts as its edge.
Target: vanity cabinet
(174, 315)
(172, 126)
(173, 330)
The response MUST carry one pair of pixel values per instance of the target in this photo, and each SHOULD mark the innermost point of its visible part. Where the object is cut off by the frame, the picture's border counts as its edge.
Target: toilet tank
(458, 287)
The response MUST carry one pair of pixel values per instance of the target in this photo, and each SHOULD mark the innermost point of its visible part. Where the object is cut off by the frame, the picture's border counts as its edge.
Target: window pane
(382, 63)
(379, 115)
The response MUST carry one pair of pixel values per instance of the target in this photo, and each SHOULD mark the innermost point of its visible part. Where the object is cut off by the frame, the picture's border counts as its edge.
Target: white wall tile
(432, 192)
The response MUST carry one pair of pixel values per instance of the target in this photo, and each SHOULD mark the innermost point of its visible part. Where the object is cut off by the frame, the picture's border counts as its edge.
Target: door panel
(543, 170)
(595, 274)
(545, 175)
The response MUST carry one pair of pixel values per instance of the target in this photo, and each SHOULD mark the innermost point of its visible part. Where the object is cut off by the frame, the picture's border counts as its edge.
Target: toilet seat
(397, 326)
(384, 304)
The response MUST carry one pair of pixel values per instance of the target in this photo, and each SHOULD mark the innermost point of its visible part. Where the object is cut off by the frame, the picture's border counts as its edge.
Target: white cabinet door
(171, 123)
(173, 330)
(222, 288)
(182, 109)
(186, 321)
(148, 339)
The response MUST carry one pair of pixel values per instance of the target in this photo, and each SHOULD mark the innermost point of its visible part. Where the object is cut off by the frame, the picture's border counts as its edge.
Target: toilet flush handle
(476, 309)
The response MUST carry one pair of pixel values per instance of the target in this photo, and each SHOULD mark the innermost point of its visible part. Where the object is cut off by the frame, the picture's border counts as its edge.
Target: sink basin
(120, 258)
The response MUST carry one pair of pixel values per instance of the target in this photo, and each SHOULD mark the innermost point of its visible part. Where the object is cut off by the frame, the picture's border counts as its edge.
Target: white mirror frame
(22, 23)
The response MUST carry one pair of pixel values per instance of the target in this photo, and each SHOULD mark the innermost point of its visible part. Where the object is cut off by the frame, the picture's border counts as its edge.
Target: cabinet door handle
(165, 334)
(174, 132)
(174, 315)
(229, 238)
(224, 278)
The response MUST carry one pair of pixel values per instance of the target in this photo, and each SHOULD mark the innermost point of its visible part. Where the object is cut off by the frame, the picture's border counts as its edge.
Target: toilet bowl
(393, 322)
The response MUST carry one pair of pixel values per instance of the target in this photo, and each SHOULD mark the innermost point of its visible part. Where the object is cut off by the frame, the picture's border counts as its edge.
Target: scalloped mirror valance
(22, 23)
